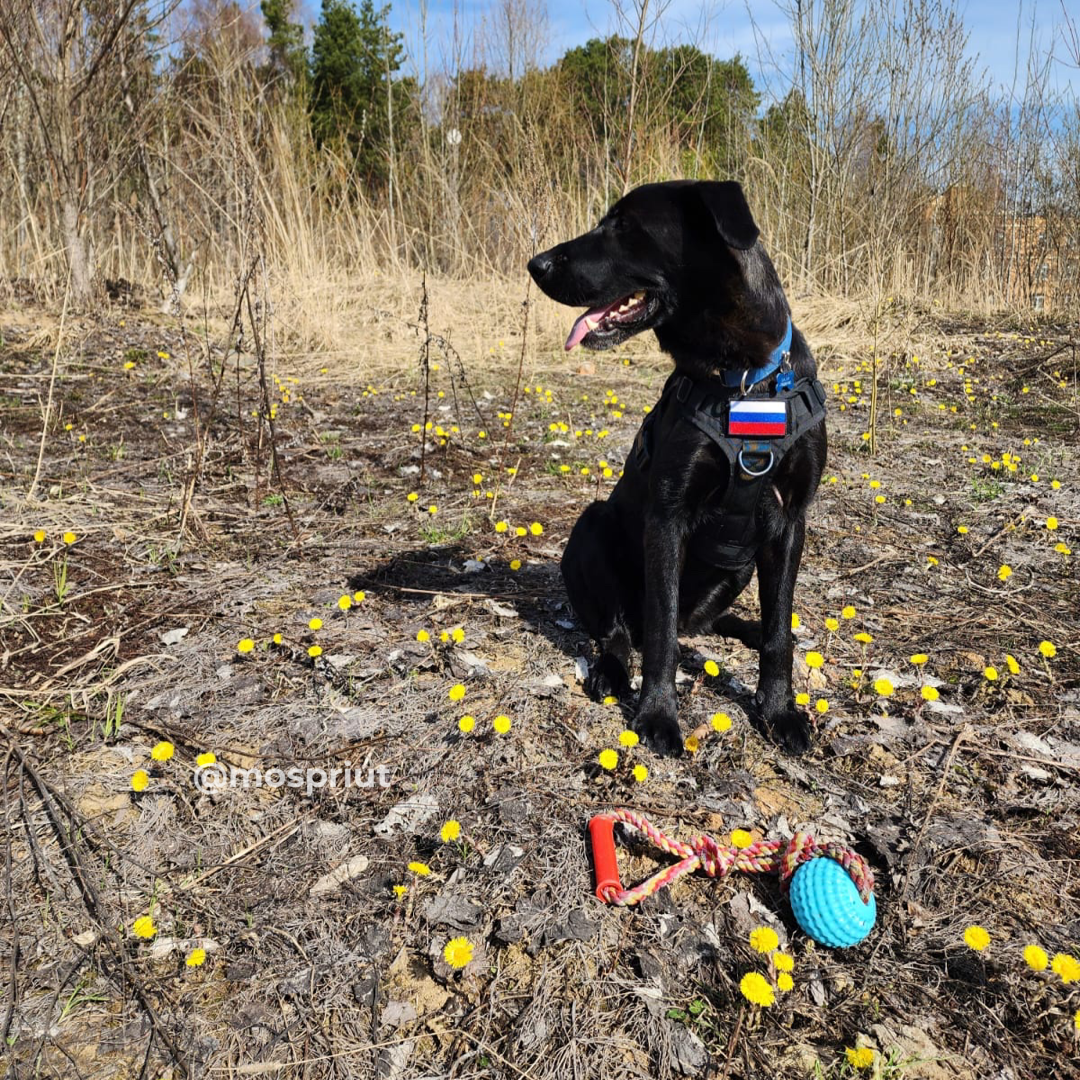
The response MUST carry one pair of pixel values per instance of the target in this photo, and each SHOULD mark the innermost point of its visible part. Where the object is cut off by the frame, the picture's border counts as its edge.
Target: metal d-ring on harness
(754, 428)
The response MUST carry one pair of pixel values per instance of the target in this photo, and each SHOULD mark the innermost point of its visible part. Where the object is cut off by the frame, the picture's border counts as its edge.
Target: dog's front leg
(657, 718)
(778, 566)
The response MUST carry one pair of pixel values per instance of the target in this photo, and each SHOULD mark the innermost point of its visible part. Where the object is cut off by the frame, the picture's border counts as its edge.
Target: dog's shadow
(535, 591)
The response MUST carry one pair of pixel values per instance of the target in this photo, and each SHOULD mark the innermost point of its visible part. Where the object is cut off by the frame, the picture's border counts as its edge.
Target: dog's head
(665, 257)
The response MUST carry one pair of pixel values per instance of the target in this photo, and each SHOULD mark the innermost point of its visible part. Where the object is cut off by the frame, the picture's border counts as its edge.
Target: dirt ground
(179, 611)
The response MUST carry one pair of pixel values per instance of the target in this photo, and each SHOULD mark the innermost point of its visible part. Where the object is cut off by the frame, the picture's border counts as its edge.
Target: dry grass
(968, 812)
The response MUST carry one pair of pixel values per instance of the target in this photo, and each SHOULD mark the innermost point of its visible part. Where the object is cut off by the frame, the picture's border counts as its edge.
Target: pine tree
(353, 59)
(288, 56)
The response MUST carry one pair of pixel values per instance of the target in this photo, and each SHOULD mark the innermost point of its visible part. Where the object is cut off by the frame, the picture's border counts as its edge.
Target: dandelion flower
(976, 937)
(501, 724)
(802, 699)
(883, 688)
(419, 868)
(315, 651)
(162, 751)
(1051, 523)
(456, 692)
(741, 839)
(359, 597)
(536, 528)
(315, 624)
(1048, 649)
(203, 760)
(712, 668)
(757, 989)
(515, 564)
(466, 724)
(144, 927)
(929, 693)
(832, 625)
(400, 890)
(962, 530)
(721, 721)
(422, 635)
(640, 773)
(822, 705)
(501, 526)
(990, 674)
(864, 638)
(458, 952)
(814, 659)
(277, 639)
(39, 536)
(862, 1058)
(245, 645)
(520, 530)
(919, 658)
(1036, 958)
(848, 612)
(196, 958)
(1068, 967)
(783, 961)
(69, 538)
(1076, 1020)
(457, 635)
(796, 622)
(1004, 572)
(628, 738)
(140, 780)
(344, 602)
(784, 982)
(610, 699)
(451, 830)
(608, 759)
(764, 939)
(412, 496)
(691, 744)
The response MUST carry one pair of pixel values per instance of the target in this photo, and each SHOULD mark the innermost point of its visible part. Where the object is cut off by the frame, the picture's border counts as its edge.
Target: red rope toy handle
(704, 853)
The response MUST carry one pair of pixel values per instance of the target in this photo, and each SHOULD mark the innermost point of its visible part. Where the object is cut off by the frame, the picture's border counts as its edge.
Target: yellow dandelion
(456, 692)
(712, 668)
(691, 744)
(832, 625)
(814, 659)
(515, 564)
(208, 758)
(466, 724)
(422, 635)
(458, 952)
(501, 526)
(1051, 523)
(883, 687)
(962, 530)
(929, 693)
(1048, 649)
(277, 639)
(608, 759)
(140, 780)
(862, 1058)
(757, 989)
(144, 927)
(783, 961)
(412, 496)
(764, 939)
(196, 958)
(419, 868)
(501, 724)
(1068, 967)
(451, 830)
(162, 751)
(847, 612)
(1004, 572)
(315, 624)
(640, 773)
(39, 536)
(628, 738)
(721, 722)
(977, 938)
(520, 531)
(314, 651)
(1036, 958)
(802, 698)
(245, 645)
(69, 538)
(741, 839)
(918, 659)
(400, 890)
(864, 638)
(344, 602)
(536, 528)
(796, 622)
(784, 982)
(822, 705)
(1012, 664)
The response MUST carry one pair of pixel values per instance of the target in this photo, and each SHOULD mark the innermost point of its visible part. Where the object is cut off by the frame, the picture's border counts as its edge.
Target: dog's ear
(724, 199)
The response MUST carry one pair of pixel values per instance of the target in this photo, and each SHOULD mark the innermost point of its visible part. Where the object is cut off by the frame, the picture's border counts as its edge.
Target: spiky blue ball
(827, 904)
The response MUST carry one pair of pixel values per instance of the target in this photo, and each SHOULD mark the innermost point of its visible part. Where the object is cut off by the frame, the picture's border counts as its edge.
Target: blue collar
(746, 379)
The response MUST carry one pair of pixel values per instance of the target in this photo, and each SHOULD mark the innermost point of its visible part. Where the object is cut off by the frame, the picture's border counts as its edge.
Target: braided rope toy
(830, 886)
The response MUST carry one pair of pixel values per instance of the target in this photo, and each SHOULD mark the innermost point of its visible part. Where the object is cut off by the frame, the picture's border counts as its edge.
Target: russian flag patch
(767, 418)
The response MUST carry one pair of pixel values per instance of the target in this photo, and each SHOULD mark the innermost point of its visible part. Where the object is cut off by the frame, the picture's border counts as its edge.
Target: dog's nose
(539, 265)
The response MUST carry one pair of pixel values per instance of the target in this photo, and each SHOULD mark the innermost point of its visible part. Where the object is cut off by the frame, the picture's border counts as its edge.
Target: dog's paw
(791, 729)
(608, 678)
(660, 729)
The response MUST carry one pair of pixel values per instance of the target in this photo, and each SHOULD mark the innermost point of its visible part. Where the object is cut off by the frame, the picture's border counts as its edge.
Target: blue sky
(725, 27)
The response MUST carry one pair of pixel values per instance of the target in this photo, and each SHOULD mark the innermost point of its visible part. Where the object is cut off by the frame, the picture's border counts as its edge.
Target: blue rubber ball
(828, 906)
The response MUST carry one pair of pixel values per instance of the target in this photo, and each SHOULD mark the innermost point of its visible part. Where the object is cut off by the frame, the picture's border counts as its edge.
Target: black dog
(724, 467)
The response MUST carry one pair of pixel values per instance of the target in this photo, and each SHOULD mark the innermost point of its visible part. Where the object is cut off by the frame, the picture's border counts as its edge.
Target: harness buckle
(750, 472)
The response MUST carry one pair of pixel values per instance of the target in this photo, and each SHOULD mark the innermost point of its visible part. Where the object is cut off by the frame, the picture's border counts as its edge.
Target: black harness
(753, 449)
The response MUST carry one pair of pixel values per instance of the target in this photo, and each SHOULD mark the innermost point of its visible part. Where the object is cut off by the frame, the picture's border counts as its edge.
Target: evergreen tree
(288, 56)
(354, 56)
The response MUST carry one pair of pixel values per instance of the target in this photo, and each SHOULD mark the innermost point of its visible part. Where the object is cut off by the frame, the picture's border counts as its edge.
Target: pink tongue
(579, 329)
